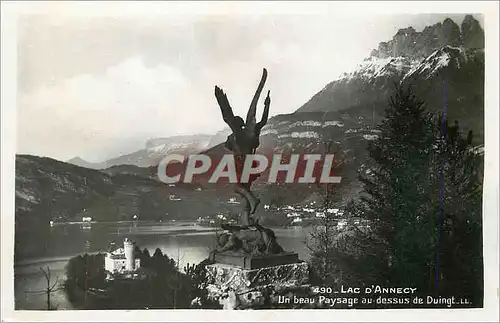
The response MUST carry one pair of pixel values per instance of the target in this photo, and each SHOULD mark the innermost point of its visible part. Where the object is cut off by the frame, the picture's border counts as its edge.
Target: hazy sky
(100, 87)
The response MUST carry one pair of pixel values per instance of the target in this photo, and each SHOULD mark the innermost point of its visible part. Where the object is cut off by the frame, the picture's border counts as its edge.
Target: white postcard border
(9, 12)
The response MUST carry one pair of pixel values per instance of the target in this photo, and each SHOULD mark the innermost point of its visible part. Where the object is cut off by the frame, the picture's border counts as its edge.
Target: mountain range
(156, 148)
(442, 58)
(443, 54)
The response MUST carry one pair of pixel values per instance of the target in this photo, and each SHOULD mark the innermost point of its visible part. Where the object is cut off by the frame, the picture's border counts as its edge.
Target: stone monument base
(255, 261)
(240, 288)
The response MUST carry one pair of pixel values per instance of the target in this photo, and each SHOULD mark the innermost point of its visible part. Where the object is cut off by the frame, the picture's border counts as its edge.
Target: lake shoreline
(186, 242)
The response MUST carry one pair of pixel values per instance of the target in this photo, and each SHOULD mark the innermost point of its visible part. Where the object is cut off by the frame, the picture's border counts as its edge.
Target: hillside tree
(422, 200)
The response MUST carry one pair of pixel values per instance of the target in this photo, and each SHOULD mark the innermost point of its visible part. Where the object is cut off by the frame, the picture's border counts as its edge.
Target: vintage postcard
(172, 161)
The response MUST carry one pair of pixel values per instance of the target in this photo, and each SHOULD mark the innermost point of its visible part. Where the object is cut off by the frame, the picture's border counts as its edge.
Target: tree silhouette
(51, 287)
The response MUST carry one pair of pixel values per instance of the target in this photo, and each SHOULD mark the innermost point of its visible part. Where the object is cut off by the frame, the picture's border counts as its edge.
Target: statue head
(239, 122)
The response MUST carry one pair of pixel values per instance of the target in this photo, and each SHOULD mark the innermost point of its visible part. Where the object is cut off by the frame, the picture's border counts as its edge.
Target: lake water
(186, 242)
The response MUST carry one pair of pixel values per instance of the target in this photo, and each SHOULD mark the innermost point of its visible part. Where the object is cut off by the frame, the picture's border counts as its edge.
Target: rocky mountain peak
(450, 33)
(76, 159)
(468, 19)
(472, 33)
(417, 45)
(421, 58)
(406, 32)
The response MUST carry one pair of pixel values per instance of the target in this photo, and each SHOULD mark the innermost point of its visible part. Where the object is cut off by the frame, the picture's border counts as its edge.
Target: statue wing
(250, 121)
(265, 115)
(225, 107)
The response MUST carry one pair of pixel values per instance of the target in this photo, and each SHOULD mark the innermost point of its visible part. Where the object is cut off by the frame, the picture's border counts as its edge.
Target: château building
(122, 261)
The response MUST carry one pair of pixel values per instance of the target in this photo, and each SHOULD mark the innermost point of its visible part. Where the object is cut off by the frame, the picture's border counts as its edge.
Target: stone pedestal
(240, 288)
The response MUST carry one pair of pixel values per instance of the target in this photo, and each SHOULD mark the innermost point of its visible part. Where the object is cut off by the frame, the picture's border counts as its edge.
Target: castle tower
(128, 247)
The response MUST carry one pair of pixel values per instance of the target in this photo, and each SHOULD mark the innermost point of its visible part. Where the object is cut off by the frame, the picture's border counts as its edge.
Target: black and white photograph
(312, 160)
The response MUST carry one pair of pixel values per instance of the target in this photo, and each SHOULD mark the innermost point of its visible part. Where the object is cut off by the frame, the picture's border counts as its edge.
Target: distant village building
(86, 219)
(341, 224)
(221, 216)
(293, 215)
(233, 200)
(320, 214)
(122, 260)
